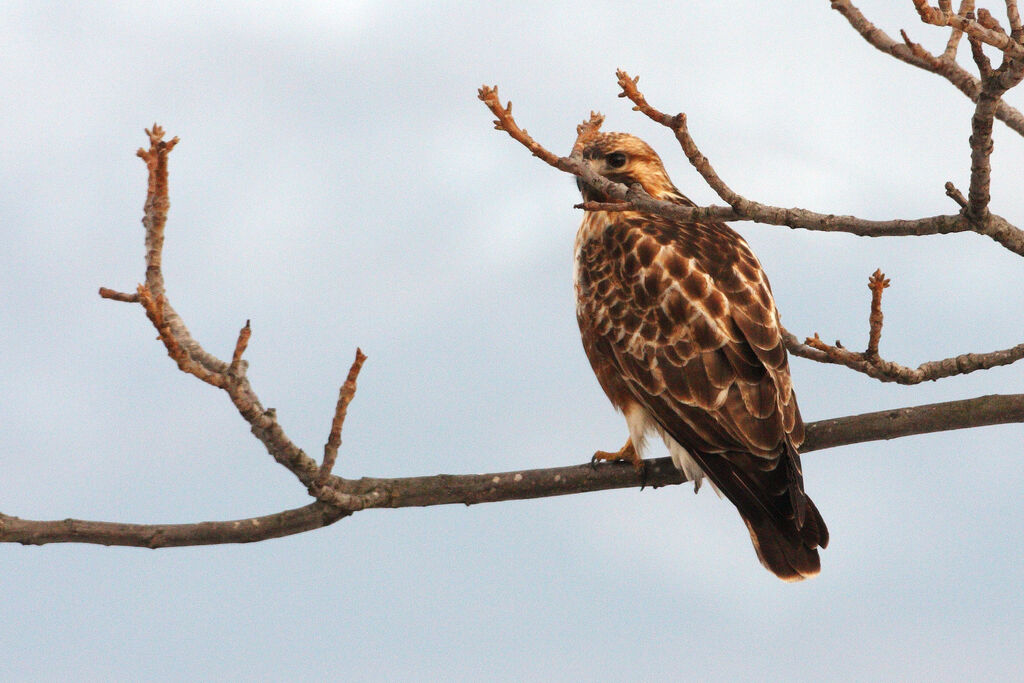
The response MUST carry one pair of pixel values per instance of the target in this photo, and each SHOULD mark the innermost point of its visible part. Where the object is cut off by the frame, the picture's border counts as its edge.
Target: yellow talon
(627, 453)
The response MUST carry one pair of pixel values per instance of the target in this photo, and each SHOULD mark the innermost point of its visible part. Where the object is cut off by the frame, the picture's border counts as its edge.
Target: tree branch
(983, 222)
(974, 216)
(945, 66)
(870, 363)
(193, 359)
(994, 84)
(338, 498)
(986, 29)
(286, 523)
(345, 394)
(635, 199)
(887, 371)
(471, 489)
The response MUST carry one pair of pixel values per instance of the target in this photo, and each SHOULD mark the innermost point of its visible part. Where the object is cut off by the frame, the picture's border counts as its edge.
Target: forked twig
(190, 355)
(870, 363)
(984, 29)
(638, 200)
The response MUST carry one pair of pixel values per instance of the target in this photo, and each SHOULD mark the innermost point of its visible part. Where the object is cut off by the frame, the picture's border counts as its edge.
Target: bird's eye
(616, 159)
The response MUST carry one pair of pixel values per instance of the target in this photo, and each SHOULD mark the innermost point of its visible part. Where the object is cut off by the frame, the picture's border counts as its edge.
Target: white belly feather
(640, 424)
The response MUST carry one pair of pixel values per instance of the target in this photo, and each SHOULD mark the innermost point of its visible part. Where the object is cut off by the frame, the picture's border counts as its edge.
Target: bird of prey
(680, 326)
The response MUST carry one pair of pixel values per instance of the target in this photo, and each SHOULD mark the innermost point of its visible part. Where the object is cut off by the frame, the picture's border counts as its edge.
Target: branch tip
(956, 195)
(119, 296)
(345, 395)
(240, 346)
(876, 283)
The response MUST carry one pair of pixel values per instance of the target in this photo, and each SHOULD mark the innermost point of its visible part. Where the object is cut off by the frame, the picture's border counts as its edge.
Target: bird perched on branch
(681, 329)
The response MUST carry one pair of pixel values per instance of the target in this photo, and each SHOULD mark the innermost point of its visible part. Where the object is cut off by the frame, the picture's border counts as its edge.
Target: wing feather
(693, 335)
(694, 328)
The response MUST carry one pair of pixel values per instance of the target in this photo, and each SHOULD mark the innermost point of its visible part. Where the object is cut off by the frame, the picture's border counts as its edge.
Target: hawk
(680, 327)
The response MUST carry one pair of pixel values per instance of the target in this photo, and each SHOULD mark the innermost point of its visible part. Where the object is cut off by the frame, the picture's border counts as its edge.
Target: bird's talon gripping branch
(625, 454)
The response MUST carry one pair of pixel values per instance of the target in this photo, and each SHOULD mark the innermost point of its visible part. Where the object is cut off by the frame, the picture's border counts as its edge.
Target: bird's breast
(593, 227)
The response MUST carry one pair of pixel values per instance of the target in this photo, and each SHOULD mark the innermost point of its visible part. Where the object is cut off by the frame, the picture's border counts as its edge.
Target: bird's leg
(628, 454)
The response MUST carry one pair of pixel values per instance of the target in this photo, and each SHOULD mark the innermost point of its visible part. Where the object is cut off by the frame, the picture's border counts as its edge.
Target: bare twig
(986, 19)
(995, 227)
(956, 34)
(887, 371)
(190, 355)
(240, 345)
(677, 124)
(956, 195)
(984, 29)
(871, 364)
(981, 60)
(946, 66)
(918, 51)
(504, 121)
(876, 284)
(604, 206)
(155, 307)
(157, 200)
(572, 164)
(1013, 16)
(345, 395)
(119, 296)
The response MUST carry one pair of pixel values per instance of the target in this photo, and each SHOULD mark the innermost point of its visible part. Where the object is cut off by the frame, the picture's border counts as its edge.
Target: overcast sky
(339, 184)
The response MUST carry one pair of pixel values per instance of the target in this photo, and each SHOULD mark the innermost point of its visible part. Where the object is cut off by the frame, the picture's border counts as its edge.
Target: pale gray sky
(339, 184)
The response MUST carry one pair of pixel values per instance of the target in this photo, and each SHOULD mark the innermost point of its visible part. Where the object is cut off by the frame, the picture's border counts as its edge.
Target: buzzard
(680, 327)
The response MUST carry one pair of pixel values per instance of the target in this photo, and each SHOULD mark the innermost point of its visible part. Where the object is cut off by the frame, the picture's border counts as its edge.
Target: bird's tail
(785, 525)
(789, 552)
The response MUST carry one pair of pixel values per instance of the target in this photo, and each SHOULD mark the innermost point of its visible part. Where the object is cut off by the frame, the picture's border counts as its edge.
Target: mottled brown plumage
(680, 326)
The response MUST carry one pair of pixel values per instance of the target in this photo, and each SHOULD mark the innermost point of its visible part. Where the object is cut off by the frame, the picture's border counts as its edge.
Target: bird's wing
(687, 317)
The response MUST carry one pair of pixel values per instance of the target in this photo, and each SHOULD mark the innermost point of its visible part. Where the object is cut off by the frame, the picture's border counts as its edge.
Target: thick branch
(925, 419)
(981, 154)
(994, 84)
(886, 424)
(287, 523)
(470, 489)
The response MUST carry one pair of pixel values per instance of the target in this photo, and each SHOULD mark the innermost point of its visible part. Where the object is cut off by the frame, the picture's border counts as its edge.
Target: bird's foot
(625, 454)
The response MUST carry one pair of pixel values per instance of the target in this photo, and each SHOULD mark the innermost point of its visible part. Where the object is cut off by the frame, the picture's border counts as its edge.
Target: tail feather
(791, 554)
(784, 524)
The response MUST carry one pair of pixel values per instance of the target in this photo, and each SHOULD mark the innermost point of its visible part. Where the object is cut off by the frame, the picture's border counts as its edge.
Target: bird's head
(626, 159)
